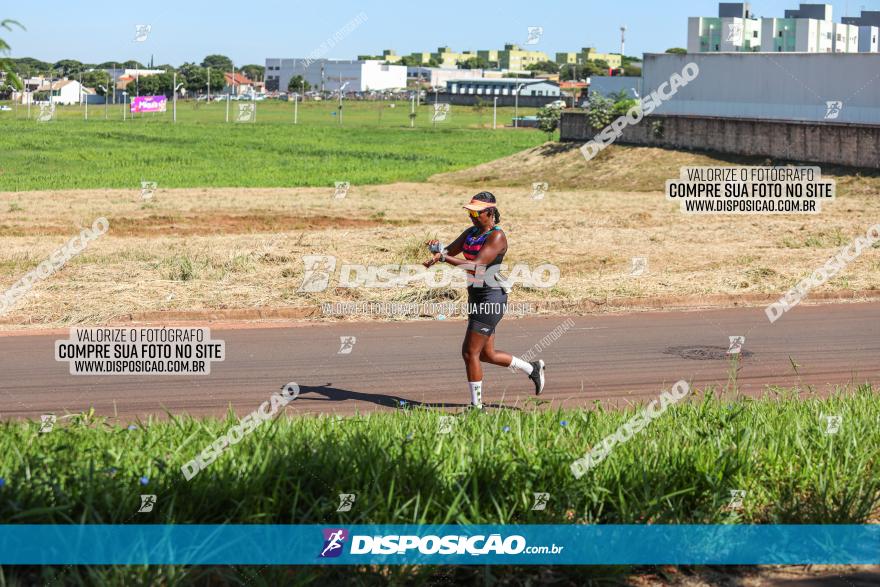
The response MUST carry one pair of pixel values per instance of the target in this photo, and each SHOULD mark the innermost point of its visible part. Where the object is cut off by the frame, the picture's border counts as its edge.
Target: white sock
(476, 392)
(523, 366)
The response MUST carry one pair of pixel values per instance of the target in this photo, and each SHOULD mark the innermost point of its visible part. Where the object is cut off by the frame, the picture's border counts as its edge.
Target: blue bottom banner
(94, 544)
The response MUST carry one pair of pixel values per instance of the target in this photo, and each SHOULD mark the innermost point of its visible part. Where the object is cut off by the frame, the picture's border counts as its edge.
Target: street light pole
(341, 91)
(516, 106)
(106, 100)
(81, 93)
(174, 98)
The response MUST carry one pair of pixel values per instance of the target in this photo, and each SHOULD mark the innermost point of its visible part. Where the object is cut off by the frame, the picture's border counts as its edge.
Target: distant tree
(567, 72)
(298, 84)
(219, 62)
(677, 51)
(623, 104)
(599, 67)
(132, 64)
(161, 84)
(632, 70)
(29, 66)
(95, 79)
(6, 66)
(167, 67)
(166, 83)
(599, 110)
(254, 72)
(474, 63)
(196, 78)
(602, 66)
(68, 67)
(545, 66)
(146, 85)
(548, 119)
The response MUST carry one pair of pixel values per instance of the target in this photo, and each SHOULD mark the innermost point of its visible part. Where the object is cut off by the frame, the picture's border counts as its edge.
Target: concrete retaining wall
(840, 144)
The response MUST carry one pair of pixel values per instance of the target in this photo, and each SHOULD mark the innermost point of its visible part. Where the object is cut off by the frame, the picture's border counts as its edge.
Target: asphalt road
(613, 358)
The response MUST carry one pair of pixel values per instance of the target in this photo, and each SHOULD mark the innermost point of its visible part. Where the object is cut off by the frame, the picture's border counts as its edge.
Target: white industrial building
(787, 89)
(808, 29)
(505, 86)
(332, 74)
(437, 77)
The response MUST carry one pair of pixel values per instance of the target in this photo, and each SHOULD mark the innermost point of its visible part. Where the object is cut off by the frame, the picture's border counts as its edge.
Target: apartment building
(589, 54)
(514, 58)
(332, 74)
(808, 29)
(869, 30)
(446, 57)
(734, 29)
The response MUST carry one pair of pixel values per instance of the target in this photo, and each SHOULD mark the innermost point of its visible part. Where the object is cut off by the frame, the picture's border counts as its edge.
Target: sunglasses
(474, 214)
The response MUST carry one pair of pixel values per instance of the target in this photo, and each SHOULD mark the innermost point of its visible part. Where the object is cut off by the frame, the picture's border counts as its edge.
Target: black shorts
(485, 309)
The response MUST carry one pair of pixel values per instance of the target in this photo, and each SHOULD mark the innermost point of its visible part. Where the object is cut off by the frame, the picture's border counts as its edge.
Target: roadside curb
(701, 301)
(690, 302)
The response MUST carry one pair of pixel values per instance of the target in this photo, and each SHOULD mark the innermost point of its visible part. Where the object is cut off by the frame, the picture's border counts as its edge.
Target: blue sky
(250, 31)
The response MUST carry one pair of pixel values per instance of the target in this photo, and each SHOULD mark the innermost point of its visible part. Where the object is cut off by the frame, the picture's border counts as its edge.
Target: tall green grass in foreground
(680, 469)
(71, 153)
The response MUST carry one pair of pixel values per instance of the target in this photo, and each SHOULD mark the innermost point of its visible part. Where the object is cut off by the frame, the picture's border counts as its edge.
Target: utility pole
(495, 114)
(81, 95)
(622, 40)
(176, 89)
(106, 99)
(516, 106)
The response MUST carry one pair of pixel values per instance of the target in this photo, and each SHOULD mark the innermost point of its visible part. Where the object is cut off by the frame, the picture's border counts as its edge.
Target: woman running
(483, 246)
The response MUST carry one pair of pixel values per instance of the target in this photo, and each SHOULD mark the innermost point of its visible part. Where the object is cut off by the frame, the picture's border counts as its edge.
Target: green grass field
(201, 150)
(679, 470)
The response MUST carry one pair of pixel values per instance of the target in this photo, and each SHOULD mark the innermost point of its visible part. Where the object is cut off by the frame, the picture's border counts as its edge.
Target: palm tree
(5, 64)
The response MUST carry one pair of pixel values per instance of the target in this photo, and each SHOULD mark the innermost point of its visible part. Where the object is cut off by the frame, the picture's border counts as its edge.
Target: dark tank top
(473, 242)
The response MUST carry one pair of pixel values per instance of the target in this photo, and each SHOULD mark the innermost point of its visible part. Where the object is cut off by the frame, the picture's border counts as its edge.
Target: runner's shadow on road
(335, 394)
